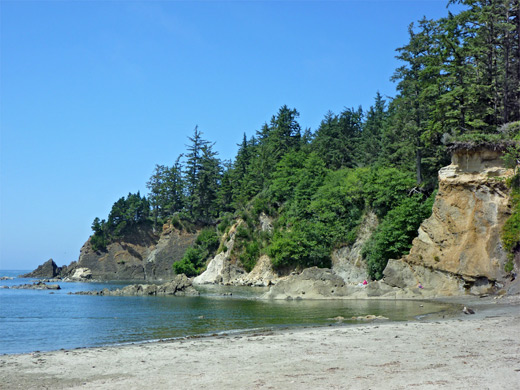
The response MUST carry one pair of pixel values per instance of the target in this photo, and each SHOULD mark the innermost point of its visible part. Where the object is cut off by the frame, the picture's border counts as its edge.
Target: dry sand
(480, 351)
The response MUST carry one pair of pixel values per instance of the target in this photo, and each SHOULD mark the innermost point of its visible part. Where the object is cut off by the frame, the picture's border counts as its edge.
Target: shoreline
(481, 350)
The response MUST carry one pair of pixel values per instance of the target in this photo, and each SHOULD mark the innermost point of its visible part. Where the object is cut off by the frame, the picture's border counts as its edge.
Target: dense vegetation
(126, 214)
(459, 79)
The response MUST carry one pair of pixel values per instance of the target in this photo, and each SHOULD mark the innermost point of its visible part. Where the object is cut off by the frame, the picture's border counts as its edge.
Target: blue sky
(94, 94)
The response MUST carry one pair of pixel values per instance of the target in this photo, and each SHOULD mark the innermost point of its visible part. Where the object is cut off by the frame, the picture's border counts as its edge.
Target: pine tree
(373, 127)
(337, 138)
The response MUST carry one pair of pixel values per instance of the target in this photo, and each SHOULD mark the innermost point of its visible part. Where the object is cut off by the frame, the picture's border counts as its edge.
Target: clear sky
(95, 93)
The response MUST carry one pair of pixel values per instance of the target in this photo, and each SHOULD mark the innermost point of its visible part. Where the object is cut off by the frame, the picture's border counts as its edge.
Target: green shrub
(194, 260)
(208, 240)
(176, 222)
(305, 245)
(224, 224)
(242, 233)
(98, 242)
(511, 229)
(260, 205)
(185, 266)
(250, 255)
(394, 235)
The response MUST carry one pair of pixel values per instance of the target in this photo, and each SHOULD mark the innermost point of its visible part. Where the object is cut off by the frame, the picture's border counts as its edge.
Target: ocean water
(34, 320)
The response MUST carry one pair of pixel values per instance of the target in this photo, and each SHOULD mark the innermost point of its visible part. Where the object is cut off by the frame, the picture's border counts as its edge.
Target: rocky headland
(142, 255)
(458, 249)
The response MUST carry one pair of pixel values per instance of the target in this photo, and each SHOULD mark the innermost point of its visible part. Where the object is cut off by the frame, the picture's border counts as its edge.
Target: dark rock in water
(6, 278)
(38, 286)
(49, 269)
(181, 285)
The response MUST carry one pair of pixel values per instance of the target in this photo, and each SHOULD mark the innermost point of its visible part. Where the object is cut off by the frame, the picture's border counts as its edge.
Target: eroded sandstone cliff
(458, 249)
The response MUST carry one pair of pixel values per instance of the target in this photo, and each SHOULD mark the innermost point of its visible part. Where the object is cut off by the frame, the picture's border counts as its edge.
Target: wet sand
(480, 351)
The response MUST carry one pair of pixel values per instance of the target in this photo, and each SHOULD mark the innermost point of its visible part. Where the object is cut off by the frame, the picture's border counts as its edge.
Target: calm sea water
(33, 320)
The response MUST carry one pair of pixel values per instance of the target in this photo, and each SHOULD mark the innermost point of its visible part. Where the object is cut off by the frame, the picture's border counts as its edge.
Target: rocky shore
(181, 285)
(40, 285)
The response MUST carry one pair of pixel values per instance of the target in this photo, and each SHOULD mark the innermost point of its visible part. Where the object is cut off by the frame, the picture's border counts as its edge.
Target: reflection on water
(39, 320)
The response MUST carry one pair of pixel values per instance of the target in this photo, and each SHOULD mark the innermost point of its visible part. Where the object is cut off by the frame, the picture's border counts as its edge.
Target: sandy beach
(480, 351)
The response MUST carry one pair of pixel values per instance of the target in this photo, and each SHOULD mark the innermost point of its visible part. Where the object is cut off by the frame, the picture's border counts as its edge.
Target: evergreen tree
(166, 186)
(373, 128)
(337, 138)
(202, 179)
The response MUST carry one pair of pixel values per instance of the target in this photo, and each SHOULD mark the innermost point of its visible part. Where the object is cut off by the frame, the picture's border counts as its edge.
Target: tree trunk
(418, 161)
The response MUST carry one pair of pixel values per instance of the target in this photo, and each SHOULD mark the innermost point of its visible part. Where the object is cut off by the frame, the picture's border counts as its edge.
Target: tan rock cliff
(458, 249)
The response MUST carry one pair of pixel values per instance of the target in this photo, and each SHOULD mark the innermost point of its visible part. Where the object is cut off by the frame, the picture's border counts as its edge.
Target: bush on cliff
(194, 260)
(394, 235)
(511, 229)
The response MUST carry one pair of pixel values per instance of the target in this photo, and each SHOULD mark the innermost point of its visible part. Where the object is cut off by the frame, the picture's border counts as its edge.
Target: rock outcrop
(181, 285)
(49, 269)
(347, 261)
(222, 269)
(80, 274)
(458, 249)
(262, 275)
(141, 255)
(312, 283)
(37, 286)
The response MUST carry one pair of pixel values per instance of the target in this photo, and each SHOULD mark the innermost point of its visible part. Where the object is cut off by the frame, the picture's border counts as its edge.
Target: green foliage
(224, 224)
(202, 176)
(511, 229)
(250, 242)
(99, 239)
(394, 235)
(166, 191)
(191, 263)
(338, 205)
(301, 245)
(475, 139)
(338, 137)
(384, 188)
(250, 255)
(261, 204)
(194, 260)
(207, 240)
(284, 178)
(176, 222)
(126, 213)
(243, 233)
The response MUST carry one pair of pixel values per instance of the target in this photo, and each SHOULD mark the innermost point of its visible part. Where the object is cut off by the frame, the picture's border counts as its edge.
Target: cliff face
(458, 249)
(347, 261)
(223, 269)
(142, 255)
